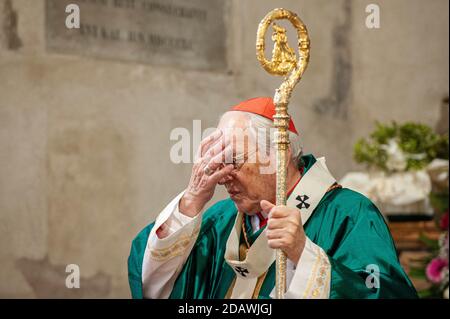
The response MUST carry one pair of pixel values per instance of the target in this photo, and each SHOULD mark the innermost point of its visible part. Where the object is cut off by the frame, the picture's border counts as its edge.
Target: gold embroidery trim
(176, 249)
(258, 285)
(335, 185)
(319, 277)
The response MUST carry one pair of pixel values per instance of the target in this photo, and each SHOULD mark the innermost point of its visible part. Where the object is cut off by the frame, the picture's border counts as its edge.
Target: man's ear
(289, 155)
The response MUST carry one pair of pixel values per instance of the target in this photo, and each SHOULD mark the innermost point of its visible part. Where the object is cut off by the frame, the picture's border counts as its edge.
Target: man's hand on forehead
(217, 153)
(202, 185)
(231, 146)
(206, 143)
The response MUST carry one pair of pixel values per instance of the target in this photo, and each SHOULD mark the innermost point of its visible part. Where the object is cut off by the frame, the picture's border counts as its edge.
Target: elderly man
(336, 240)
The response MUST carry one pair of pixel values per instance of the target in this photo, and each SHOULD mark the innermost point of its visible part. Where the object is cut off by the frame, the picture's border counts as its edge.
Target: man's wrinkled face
(247, 184)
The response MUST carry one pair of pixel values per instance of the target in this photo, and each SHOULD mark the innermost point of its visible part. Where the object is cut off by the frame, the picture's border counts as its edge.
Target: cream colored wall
(84, 161)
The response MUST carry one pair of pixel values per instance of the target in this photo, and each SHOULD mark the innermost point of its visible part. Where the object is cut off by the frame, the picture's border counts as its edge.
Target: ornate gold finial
(282, 55)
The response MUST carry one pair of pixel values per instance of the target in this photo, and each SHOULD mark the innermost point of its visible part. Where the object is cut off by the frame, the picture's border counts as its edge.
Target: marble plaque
(176, 33)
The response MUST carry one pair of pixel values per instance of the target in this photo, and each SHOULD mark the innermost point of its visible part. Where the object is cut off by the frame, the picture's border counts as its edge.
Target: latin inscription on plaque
(179, 33)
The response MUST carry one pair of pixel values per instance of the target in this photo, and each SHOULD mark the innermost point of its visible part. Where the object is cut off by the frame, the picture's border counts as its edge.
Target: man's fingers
(212, 164)
(280, 212)
(275, 233)
(275, 223)
(222, 173)
(278, 243)
(223, 157)
(266, 206)
(206, 142)
(217, 146)
(224, 180)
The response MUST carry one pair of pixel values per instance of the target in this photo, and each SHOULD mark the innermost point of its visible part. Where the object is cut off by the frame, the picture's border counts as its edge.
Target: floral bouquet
(435, 267)
(397, 159)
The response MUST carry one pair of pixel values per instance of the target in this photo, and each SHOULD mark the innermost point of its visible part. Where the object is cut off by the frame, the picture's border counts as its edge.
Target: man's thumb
(266, 206)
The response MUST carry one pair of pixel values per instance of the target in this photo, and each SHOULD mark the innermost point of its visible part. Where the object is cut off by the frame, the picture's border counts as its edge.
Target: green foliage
(417, 141)
(432, 244)
(439, 201)
(418, 272)
(430, 293)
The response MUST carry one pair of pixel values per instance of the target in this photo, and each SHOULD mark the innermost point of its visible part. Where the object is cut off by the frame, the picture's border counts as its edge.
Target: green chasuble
(345, 224)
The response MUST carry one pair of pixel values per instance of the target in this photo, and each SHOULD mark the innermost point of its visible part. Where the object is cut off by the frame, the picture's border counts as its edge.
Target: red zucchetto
(263, 106)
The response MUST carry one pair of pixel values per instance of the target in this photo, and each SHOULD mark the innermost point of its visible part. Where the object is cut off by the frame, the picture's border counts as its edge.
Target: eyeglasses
(237, 165)
(242, 159)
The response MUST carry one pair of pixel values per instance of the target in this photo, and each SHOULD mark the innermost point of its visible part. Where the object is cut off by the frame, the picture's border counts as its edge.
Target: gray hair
(262, 126)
